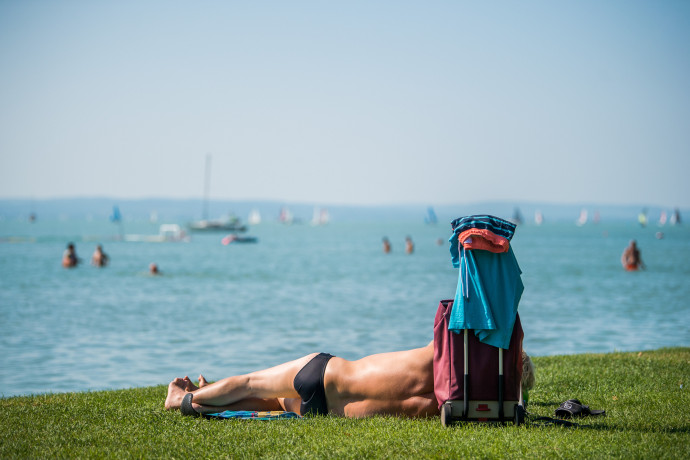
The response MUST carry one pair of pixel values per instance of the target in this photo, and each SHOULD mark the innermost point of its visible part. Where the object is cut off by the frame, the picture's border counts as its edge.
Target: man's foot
(176, 391)
(190, 385)
(202, 381)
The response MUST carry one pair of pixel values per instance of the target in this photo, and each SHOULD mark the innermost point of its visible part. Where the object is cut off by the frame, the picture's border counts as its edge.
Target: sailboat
(517, 217)
(254, 217)
(285, 216)
(662, 218)
(116, 218)
(320, 216)
(582, 220)
(227, 224)
(538, 217)
(430, 216)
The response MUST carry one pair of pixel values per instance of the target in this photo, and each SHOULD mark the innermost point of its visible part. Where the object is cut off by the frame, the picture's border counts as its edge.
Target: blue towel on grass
(254, 415)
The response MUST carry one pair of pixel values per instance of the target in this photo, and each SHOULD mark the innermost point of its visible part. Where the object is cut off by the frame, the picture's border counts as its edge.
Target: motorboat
(234, 238)
(229, 224)
(166, 233)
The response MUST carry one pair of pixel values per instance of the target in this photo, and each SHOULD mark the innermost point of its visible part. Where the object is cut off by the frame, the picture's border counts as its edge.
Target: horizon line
(524, 202)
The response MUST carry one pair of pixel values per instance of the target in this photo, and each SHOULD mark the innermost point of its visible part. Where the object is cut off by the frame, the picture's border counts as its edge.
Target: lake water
(231, 309)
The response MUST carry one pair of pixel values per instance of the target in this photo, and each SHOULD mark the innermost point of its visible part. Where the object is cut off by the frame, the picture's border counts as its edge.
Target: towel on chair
(489, 283)
(488, 296)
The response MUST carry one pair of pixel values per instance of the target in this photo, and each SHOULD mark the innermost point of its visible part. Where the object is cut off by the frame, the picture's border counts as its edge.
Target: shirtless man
(409, 245)
(386, 245)
(69, 257)
(631, 259)
(397, 383)
(99, 258)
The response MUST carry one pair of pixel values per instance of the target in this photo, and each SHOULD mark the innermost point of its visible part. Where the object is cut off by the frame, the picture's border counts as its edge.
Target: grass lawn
(645, 396)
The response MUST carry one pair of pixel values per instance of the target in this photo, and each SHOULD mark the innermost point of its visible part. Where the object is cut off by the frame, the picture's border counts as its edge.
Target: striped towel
(253, 415)
(500, 227)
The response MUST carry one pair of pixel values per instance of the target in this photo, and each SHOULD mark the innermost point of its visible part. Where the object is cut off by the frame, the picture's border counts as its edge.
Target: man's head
(528, 372)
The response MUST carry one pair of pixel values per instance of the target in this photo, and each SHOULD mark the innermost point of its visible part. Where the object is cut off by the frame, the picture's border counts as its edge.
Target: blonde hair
(528, 372)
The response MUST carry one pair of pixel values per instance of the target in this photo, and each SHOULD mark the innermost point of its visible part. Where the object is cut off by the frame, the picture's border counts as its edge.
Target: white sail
(286, 216)
(254, 217)
(662, 218)
(320, 216)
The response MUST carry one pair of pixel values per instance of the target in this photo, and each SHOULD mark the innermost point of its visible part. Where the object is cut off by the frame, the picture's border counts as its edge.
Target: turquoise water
(224, 310)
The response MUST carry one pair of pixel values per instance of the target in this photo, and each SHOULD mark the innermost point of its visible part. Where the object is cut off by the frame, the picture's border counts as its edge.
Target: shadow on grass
(545, 404)
(581, 423)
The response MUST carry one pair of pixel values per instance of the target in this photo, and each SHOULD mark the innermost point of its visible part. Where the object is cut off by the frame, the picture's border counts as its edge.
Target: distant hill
(181, 210)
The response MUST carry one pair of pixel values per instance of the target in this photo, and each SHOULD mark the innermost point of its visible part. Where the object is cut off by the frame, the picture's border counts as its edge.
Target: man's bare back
(397, 383)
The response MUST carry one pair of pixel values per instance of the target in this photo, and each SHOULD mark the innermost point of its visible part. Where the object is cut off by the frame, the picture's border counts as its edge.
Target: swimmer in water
(99, 258)
(631, 258)
(69, 257)
(386, 245)
(409, 245)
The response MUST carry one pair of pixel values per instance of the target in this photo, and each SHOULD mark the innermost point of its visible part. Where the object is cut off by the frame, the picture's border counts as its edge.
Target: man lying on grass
(398, 383)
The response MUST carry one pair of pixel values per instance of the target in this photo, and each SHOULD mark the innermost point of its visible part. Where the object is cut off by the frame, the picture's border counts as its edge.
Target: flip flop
(574, 408)
(186, 407)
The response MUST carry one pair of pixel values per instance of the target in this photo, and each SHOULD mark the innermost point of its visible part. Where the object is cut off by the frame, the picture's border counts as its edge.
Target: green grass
(644, 394)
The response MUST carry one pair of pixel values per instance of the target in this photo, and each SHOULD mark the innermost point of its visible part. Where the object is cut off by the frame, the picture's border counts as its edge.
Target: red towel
(477, 238)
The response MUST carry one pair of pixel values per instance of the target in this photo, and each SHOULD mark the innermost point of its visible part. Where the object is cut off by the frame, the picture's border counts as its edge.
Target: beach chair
(474, 381)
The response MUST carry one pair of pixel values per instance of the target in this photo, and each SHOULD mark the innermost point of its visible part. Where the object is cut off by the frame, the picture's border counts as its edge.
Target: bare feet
(179, 387)
(189, 384)
(176, 391)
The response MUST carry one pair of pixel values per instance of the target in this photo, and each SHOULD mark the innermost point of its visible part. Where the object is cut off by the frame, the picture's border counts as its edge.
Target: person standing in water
(386, 245)
(409, 245)
(631, 259)
(69, 257)
(99, 258)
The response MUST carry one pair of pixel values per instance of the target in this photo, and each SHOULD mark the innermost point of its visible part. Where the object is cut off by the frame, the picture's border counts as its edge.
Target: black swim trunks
(309, 384)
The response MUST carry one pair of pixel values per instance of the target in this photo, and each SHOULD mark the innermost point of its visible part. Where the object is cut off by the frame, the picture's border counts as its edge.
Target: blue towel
(488, 294)
(253, 415)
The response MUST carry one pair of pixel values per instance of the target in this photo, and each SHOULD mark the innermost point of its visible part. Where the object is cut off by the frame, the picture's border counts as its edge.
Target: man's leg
(268, 384)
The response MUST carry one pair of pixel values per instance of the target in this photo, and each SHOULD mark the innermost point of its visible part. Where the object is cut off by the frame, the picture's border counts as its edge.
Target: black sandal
(186, 407)
(574, 408)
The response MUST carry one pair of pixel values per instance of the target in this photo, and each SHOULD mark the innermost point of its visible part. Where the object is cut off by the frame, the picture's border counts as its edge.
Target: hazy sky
(360, 102)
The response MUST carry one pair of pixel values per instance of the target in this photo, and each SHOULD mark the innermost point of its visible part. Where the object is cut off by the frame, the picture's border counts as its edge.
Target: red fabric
(478, 238)
(483, 363)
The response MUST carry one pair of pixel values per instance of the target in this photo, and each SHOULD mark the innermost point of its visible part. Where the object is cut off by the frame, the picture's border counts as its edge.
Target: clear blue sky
(354, 102)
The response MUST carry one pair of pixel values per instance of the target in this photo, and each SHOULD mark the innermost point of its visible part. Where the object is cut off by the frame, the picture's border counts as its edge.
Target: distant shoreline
(170, 209)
